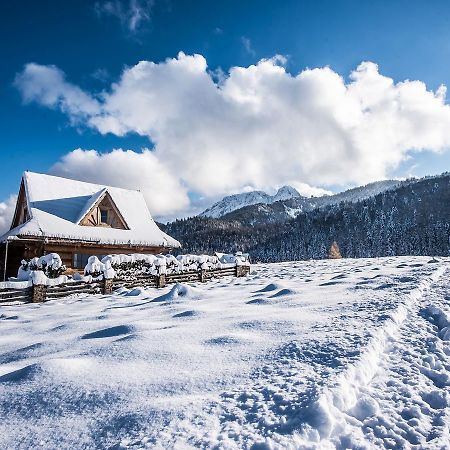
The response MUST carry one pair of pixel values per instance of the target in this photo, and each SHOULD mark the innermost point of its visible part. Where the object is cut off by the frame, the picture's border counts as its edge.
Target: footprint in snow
(340, 276)
(59, 328)
(223, 340)
(251, 325)
(384, 286)
(4, 317)
(118, 330)
(330, 283)
(129, 337)
(282, 292)
(258, 301)
(405, 279)
(269, 287)
(186, 314)
(436, 399)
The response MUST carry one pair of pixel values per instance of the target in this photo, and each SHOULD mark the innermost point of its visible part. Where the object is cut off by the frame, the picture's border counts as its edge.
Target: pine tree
(334, 252)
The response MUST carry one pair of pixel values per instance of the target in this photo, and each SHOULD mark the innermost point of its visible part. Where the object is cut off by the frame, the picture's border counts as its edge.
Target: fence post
(39, 293)
(161, 280)
(242, 270)
(107, 285)
(202, 275)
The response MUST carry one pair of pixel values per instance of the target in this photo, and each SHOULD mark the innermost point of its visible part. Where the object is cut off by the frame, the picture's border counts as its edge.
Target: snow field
(320, 354)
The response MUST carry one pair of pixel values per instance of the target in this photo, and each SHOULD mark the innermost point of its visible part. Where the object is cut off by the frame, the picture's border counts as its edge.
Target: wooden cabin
(76, 220)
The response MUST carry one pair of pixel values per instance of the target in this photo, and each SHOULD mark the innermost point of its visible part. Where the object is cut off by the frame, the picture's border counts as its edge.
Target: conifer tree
(334, 252)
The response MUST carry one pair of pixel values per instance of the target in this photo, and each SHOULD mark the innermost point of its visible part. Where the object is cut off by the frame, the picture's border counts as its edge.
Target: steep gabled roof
(90, 204)
(57, 205)
(96, 200)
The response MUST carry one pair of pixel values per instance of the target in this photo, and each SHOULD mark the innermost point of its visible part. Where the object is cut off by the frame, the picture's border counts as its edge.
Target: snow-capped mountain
(287, 202)
(411, 217)
(233, 202)
(290, 208)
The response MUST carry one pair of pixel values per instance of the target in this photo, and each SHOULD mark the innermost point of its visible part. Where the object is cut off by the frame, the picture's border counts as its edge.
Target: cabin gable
(104, 213)
(21, 213)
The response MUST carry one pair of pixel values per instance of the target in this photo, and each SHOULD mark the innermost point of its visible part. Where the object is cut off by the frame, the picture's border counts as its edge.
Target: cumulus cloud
(127, 169)
(132, 14)
(7, 208)
(256, 126)
(47, 85)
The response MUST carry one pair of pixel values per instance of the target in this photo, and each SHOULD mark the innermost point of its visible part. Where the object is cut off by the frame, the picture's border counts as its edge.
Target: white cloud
(124, 168)
(309, 191)
(47, 85)
(256, 126)
(7, 209)
(247, 44)
(132, 14)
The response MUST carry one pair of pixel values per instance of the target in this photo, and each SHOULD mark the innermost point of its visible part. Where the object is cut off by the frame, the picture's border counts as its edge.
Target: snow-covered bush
(128, 267)
(51, 265)
(99, 269)
(38, 277)
(94, 267)
(198, 262)
(239, 259)
(24, 272)
(131, 267)
(108, 272)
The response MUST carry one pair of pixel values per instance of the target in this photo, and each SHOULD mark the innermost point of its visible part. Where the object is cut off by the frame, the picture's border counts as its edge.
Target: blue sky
(408, 40)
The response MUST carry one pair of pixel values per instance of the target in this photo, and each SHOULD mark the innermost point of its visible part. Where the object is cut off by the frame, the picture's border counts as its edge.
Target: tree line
(412, 219)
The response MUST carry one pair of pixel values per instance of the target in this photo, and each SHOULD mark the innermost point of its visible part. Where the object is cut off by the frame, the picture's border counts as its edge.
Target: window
(80, 260)
(103, 216)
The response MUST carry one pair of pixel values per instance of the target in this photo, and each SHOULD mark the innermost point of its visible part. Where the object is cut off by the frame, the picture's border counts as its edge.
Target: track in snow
(407, 402)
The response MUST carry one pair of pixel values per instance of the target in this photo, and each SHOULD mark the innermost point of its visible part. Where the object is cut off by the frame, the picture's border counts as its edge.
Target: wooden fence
(41, 293)
(16, 295)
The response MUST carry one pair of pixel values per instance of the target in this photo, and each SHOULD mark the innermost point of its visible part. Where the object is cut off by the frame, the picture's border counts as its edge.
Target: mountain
(411, 217)
(282, 210)
(232, 202)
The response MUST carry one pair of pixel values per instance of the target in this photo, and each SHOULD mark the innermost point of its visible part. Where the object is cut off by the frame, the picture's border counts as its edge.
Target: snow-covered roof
(56, 205)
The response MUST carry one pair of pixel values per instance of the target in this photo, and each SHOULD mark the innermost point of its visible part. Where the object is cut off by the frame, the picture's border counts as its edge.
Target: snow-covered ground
(321, 354)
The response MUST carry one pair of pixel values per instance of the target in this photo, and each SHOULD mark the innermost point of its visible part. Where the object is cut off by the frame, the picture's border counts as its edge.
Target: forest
(411, 219)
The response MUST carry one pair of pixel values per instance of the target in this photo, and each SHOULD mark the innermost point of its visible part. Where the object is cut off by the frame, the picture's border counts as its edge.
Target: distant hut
(76, 220)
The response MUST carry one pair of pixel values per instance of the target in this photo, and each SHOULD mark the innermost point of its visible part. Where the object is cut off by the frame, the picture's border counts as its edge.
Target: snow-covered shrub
(198, 262)
(128, 267)
(239, 259)
(108, 272)
(161, 264)
(94, 267)
(24, 272)
(131, 267)
(51, 265)
(38, 277)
